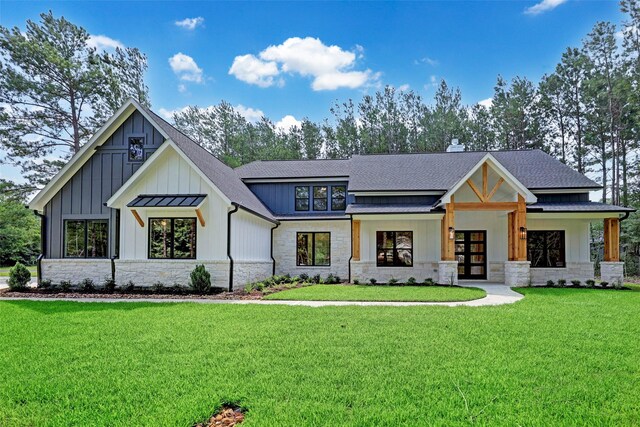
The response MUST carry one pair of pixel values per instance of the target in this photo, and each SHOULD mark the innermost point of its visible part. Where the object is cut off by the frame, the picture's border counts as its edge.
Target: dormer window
(136, 148)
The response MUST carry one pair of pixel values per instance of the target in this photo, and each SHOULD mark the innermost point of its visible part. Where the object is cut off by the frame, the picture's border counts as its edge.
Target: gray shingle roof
(441, 171)
(225, 178)
(294, 169)
(576, 207)
(387, 209)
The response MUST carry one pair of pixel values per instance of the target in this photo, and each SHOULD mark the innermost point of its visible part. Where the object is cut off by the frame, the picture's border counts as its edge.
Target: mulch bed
(227, 417)
(53, 294)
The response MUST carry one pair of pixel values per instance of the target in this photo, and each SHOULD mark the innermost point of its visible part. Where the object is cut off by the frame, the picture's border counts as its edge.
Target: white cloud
(543, 6)
(330, 66)
(251, 114)
(185, 68)
(254, 71)
(403, 88)
(287, 122)
(182, 88)
(190, 23)
(103, 43)
(433, 82)
(427, 60)
(486, 102)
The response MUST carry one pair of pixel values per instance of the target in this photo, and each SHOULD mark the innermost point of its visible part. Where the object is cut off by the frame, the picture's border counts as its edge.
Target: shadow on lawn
(59, 307)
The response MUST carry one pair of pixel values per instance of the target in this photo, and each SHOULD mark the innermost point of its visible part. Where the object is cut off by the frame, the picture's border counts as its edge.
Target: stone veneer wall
(76, 270)
(517, 273)
(574, 271)
(365, 270)
(146, 272)
(448, 273)
(284, 247)
(250, 271)
(496, 272)
(612, 272)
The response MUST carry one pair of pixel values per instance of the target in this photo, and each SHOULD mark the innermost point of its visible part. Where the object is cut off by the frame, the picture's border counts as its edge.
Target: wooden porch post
(521, 215)
(510, 225)
(448, 245)
(612, 239)
(355, 240)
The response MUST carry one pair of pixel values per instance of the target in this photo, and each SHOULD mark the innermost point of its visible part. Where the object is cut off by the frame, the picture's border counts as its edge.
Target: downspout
(273, 260)
(43, 244)
(235, 209)
(625, 216)
(351, 240)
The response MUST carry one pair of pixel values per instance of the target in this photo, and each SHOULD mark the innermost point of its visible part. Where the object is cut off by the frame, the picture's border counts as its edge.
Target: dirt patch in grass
(227, 416)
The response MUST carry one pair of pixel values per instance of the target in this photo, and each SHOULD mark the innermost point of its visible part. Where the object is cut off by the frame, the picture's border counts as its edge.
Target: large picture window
(302, 198)
(172, 238)
(86, 238)
(545, 249)
(338, 198)
(394, 248)
(320, 196)
(313, 249)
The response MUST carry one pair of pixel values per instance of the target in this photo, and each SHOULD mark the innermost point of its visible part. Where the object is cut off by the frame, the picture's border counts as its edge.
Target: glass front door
(471, 254)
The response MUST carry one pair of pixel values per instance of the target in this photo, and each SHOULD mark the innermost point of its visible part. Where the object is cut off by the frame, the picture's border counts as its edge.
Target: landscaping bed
(379, 293)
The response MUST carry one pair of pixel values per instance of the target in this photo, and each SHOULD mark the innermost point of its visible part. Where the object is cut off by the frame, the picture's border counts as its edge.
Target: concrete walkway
(497, 294)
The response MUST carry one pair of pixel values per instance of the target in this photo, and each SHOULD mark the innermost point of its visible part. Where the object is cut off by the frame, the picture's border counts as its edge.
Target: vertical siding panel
(86, 188)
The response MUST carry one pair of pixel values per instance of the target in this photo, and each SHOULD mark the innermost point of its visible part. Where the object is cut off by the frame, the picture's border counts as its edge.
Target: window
(338, 198)
(545, 249)
(86, 238)
(136, 148)
(172, 238)
(394, 248)
(320, 198)
(302, 198)
(313, 249)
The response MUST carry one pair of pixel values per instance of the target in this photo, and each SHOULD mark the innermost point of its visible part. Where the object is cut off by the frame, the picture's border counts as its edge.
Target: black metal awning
(167, 201)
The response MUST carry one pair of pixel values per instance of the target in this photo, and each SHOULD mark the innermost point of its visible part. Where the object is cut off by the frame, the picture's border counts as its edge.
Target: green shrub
(178, 289)
(316, 279)
(109, 285)
(392, 281)
(65, 285)
(87, 285)
(356, 282)
(562, 283)
(373, 281)
(44, 284)
(129, 286)
(200, 280)
(604, 284)
(304, 277)
(590, 283)
(576, 282)
(158, 288)
(19, 277)
(618, 284)
(551, 283)
(259, 286)
(428, 282)
(411, 281)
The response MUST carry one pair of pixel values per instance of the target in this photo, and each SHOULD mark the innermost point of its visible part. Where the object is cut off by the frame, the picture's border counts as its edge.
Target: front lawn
(557, 357)
(379, 293)
(4, 271)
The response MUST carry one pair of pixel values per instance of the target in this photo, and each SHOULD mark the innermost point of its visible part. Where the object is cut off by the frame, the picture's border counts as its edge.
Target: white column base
(517, 273)
(448, 273)
(612, 272)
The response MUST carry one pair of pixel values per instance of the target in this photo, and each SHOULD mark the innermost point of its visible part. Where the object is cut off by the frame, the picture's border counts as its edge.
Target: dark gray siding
(397, 200)
(562, 197)
(280, 197)
(84, 195)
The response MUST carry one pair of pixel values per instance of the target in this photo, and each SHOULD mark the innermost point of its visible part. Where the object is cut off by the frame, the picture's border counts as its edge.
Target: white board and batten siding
(250, 237)
(171, 174)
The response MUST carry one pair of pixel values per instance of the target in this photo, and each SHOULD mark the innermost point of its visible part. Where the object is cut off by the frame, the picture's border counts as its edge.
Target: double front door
(471, 254)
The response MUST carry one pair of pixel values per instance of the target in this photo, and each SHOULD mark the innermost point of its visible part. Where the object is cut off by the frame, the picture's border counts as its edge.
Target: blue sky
(289, 60)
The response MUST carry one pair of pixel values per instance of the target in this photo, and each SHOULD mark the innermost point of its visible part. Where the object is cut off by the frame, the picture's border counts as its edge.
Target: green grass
(557, 357)
(4, 271)
(378, 293)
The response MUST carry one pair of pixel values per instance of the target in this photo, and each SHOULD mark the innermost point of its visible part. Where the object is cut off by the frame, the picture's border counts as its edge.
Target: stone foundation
(76, 270)
(582, 271)
(366, 270)
(448, 273)
(496, 272)
(169, 272)
(250, 271)
(517, 273)
(612, 272)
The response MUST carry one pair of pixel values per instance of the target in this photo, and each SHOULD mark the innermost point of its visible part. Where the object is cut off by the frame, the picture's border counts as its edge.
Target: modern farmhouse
(143, 202)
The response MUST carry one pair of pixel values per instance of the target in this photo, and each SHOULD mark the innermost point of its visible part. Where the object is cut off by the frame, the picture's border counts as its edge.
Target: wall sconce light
(523, 233)
(452, 233)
